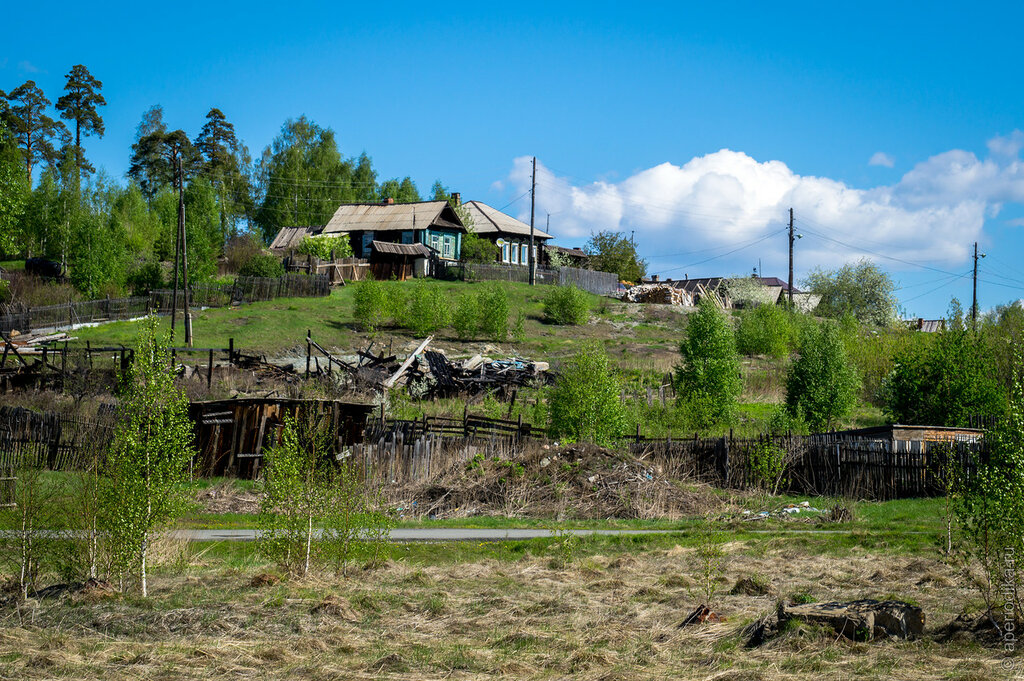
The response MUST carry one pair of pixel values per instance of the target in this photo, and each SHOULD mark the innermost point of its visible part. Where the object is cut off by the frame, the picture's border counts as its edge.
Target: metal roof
(487, 220)
(291, 237)
(416, 250)
(384, 217)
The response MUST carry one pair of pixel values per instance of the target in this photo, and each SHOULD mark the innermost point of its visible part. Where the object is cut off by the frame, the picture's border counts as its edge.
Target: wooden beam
(408, 361)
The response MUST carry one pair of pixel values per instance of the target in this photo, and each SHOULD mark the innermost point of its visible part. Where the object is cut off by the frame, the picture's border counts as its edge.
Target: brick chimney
(457, 198)
(388, 202)
(654, 278)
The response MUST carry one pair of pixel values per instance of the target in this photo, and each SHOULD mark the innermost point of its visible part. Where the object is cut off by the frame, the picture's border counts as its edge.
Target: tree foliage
(861, 289)
(324, 245)
(584, 403)
(225, 162)
(709, 376)
(79, 104)
(33, 129)
(945, 380)
(147, 463)
(822, 384)
(614, 252)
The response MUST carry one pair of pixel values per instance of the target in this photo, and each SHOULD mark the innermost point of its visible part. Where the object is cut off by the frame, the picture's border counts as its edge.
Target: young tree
(584, 403)
(613, 252)
(861, 289)
(709, 376)
(822, 383)
(147, 464)
(78, 104)
(27, 544)
(32, 128)
(14, 193)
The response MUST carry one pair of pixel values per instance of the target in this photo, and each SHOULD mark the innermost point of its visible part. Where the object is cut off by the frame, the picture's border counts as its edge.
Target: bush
(494, 309)
(262, 265)
(372, 306)
(466, 320)
(476, 249)
(566, 305)
(5, 291)
(241, 249)
(709, 377)
(145, 278)
(764, 330)
(429, 310)
(822, 383)
(584, 403)
(322, 246)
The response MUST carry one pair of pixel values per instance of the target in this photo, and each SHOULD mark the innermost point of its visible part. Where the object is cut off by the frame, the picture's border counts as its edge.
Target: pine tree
(78, 104)
(147, 168)
(32, 128)
(224, 162)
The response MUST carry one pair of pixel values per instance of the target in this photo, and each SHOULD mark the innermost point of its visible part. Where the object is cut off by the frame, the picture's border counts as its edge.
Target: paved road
(439, 534)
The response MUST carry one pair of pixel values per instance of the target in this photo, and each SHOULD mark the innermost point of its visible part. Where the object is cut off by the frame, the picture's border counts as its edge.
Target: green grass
(11, 265)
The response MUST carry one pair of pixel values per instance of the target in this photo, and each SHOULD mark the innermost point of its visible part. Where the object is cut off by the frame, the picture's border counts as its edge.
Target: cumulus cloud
(727, 199)
(880, 158)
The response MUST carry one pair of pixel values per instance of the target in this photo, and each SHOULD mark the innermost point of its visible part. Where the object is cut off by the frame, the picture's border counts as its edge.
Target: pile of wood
(659, 294)
(479, 374)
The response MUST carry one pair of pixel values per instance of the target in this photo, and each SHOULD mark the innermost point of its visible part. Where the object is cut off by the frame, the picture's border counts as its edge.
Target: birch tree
(147, 464)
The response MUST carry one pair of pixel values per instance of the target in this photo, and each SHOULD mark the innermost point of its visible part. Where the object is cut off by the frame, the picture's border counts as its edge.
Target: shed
(389, 259)
(233, 435)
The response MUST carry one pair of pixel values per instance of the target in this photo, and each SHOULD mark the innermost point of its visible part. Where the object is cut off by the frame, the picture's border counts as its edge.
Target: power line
(877, 254)
(735, 250)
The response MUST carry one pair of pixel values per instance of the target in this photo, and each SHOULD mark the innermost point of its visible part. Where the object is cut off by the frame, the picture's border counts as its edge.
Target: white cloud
(1018, 222)
(726, 199)
(880, 158)
(28, 67)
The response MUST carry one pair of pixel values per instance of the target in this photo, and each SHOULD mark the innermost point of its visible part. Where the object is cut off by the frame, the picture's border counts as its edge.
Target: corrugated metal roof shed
(383, 217)
(291, 237)
(487, 220)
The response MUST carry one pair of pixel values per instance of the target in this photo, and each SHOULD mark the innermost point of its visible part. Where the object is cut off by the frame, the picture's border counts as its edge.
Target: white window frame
(435, 242)
(448, 246)
(504, 249)
(514, 253)
(524, 254)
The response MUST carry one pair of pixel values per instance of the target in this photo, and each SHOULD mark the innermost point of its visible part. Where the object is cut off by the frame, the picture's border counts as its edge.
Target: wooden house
(512, 236)
(435, 224)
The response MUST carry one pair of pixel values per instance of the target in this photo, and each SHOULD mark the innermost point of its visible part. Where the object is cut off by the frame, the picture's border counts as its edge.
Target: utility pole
(974, 302)
(533, 201)
(791, 258)
(184, 253)
(177, 250)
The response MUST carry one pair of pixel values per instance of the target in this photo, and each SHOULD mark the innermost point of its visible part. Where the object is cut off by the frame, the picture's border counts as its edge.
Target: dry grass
(601, 617)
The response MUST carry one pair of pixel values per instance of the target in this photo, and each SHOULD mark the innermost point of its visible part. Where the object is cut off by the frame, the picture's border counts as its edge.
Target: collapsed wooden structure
(232, 436)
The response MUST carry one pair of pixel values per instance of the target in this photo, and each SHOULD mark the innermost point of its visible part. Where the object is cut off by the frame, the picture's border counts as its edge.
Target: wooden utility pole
(974, 301)
(790, 258)
(177, 249)
(184, 254)
(533, 201)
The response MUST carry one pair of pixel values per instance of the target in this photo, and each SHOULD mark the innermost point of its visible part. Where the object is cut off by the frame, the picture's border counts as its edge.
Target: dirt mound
(577, 481)
(264, 579)
(335, 606)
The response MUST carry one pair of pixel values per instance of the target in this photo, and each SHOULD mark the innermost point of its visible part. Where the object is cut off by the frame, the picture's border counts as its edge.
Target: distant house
(768, 291)
(434, 224)
(512, 236)
(575, 257)
(927, 325)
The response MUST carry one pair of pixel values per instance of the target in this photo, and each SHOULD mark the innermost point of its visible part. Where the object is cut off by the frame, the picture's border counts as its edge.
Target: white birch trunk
(145, 542)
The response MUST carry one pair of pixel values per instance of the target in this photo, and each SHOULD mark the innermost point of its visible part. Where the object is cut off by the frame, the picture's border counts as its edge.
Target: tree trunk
(142, 570)
(309, 540)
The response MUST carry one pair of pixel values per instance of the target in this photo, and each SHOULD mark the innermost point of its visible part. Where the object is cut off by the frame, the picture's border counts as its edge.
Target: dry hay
(226, 497)
(577, 481)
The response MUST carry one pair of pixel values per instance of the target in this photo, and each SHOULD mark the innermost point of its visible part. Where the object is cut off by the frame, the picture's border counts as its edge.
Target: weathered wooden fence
(47, 439)
(397, 460)
(243, 290)
(600, 283)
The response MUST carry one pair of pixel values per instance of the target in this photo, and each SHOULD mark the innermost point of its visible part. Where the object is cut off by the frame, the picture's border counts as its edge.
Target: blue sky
(694, 126)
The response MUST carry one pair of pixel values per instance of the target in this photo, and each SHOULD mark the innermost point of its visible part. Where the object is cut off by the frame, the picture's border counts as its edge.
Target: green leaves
(709, 376)
(566, 305)
(862, 290)
(613, 252)
(585, 401)
(822, 384)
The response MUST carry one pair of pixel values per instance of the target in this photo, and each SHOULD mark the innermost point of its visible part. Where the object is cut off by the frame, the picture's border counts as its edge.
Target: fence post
(309, 349)
(231, 350)
(209, 371)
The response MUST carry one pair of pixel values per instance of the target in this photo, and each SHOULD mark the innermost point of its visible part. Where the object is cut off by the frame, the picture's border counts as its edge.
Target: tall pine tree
(32, 128)
(78, 104)
(224, 162)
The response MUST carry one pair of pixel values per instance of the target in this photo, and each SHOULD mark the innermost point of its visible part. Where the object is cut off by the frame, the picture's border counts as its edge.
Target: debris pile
(477, 374)
(862, 620)
(659, 294)
(787, 511)
(577, 481)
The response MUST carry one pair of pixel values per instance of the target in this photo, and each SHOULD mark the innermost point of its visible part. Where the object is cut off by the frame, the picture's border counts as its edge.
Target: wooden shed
(388, 259)
(232, 435)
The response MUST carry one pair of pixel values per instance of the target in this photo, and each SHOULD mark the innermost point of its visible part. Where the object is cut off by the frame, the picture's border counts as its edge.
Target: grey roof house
(512, 236)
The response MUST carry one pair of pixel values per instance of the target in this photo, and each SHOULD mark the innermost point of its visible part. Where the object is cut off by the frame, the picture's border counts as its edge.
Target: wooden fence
(243, 290)
(54, 441)
(599, 283)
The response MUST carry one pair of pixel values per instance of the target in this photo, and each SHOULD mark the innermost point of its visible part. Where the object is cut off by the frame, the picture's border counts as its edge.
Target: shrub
(429, 310)
(494, 311)
(372, 306)
(241, 249)
(476, 249)
(584, 403)
(466, 320)
(822, 383)
(767, 464)
(145, 278)
(322, 246)
(764, 330)
(5, 291)
(566, 305)
(262, 265)
(709, 377)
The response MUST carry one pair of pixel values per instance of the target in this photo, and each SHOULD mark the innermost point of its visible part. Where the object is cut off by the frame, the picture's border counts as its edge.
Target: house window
(435, 242)
(504, 250)
(525, 258)
(449, 246)
(515, 254)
